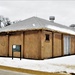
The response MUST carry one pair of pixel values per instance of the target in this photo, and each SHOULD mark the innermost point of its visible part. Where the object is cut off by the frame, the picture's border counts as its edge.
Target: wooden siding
(3, 45)
(32, 44)
(72, 45)
(46, 46)
(57, 45)
(16, 39)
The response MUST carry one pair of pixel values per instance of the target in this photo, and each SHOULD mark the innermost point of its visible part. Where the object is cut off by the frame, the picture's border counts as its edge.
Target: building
(37, 38)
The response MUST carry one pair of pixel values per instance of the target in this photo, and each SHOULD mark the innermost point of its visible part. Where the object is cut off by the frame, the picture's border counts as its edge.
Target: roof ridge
(36, 18)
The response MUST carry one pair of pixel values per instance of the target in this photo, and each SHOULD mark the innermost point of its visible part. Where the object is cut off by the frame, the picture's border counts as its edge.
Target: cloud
(4, 10)
(64, 11)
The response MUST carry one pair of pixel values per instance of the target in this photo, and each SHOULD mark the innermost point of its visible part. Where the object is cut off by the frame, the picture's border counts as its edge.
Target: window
(47, 37)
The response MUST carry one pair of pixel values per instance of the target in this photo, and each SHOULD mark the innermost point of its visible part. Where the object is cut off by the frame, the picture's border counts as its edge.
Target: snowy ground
(48, 65)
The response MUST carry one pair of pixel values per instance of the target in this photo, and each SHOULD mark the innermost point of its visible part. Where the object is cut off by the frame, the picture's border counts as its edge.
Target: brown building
(37, 38)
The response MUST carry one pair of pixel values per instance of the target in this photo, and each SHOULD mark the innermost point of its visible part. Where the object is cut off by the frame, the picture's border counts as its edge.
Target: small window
(47, 37)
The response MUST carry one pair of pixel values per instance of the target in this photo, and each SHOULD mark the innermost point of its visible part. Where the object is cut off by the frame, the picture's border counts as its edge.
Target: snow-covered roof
(37, 23)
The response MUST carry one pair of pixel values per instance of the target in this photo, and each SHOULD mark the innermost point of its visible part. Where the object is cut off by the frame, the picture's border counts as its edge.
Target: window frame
(47, 37)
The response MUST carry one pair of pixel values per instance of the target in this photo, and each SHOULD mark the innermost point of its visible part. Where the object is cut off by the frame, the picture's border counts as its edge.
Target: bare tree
(17, 21)
(5, 21)
(1, 19)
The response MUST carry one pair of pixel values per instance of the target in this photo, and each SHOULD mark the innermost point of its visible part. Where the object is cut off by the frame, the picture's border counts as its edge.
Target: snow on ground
(60, 64)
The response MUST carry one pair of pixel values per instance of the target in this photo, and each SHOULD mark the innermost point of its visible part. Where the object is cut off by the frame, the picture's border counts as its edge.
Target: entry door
(67, 45)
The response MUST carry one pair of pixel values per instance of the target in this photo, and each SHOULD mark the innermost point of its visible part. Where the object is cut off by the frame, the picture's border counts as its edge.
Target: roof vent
(52, 18)
(72, 25)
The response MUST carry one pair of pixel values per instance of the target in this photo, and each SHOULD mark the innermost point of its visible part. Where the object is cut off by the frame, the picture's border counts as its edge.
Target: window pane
(47, 37)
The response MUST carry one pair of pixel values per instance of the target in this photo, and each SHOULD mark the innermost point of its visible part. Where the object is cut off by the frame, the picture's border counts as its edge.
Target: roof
(37, 23)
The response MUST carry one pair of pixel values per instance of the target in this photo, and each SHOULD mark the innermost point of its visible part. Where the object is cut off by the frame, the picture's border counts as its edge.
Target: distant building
(37, 38)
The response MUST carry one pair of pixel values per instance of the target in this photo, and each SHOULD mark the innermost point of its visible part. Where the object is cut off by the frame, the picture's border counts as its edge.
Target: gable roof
(37, 23)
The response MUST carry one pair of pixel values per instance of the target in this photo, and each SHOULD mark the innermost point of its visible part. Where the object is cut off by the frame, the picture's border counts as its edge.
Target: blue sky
(63, 10)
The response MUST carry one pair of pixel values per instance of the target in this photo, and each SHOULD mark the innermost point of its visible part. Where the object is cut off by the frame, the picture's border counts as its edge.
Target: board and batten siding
(72, 45)
(57, 51)
(3, 45)
(16, 39)
(35, 46)
(46, 46)
(32, 45)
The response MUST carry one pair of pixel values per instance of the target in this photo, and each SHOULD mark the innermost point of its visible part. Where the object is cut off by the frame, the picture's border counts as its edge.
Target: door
(67, 45)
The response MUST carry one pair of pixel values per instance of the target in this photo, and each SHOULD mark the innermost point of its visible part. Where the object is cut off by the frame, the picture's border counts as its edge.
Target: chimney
(52, 18)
